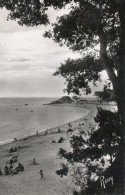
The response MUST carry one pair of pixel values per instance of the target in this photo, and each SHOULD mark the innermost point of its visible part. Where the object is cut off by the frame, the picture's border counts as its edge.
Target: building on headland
(87, 101)
(83, 101)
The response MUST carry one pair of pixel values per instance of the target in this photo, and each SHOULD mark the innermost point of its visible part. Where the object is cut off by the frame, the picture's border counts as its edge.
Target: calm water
(24, 116)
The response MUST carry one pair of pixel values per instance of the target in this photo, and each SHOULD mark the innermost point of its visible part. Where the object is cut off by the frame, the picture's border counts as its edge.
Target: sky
(28, 60)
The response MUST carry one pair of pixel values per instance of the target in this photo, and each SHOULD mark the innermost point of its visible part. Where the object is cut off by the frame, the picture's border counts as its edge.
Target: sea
(20, 117)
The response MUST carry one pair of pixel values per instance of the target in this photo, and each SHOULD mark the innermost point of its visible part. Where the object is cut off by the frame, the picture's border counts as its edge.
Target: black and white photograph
(62, 97)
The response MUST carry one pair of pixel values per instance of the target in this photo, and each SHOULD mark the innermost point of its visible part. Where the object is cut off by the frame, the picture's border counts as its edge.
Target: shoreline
(44, 148)
(48, 130)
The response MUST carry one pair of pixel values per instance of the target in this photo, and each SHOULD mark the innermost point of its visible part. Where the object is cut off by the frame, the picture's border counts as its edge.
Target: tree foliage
(89, 23)
(103, 141)
(63, 171)
(90, 154)
(106, 95)
(95, 29)
(78, 74)
(92, 24)
(26, 12)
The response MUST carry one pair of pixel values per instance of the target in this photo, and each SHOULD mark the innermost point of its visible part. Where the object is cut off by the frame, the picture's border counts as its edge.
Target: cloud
(27, 63)
(28, 60)
(26, 84)
(30, 50)
(19, 60)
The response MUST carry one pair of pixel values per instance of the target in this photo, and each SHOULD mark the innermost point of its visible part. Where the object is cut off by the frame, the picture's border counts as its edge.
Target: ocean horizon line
(82, 97)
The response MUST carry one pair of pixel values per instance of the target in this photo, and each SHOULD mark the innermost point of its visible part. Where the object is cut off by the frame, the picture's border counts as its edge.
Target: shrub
(63, 171)
(61, 139)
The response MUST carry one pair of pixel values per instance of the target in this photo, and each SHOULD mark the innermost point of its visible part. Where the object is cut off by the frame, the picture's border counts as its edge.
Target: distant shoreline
(50, 129)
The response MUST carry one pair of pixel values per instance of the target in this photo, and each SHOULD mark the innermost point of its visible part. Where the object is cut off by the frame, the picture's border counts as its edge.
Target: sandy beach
(44, 149)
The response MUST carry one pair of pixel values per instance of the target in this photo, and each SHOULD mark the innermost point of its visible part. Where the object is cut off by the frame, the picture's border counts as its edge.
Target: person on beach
(41, 174)
(20, 167)
(6, 170)
(34, 162)
(11, 167)
(1, 172)
(59, 130)
(12, 171)
(46, 132)
(70, 130)
(70, 126)
(15, 158)
(11, 161)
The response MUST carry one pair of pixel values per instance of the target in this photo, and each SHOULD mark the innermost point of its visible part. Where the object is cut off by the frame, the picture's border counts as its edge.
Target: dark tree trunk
(118, 167)
(117, 170)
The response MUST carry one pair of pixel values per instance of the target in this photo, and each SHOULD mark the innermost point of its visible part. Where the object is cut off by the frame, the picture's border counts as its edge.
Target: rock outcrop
(63, 100)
